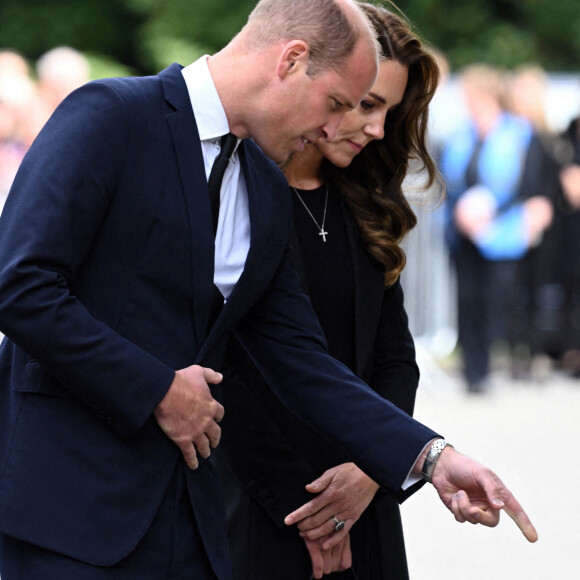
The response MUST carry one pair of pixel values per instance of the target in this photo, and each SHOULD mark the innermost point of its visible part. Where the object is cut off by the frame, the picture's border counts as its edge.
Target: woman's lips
(358, 148)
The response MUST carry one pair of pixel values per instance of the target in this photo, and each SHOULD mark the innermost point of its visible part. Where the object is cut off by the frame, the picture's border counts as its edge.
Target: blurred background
(143, 36)
(492, 282)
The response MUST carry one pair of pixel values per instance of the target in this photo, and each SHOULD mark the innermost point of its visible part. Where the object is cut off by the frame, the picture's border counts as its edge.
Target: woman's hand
(344, 492)
(326, 561)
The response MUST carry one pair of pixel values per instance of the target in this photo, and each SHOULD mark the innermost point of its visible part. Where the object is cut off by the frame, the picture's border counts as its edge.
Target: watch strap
(432, 458)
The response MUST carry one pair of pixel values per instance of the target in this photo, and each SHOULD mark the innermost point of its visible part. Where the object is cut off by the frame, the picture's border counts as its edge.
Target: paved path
(529, 433)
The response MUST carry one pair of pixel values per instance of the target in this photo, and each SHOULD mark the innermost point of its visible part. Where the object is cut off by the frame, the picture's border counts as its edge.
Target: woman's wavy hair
(372, 184)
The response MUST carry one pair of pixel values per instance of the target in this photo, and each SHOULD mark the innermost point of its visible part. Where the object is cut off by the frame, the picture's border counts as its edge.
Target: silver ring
(339, 524)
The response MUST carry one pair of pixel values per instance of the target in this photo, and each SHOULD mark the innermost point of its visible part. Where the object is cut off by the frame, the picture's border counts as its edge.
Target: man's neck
(238, 75)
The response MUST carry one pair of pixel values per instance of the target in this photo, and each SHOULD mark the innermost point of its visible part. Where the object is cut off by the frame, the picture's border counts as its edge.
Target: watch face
(439, 445)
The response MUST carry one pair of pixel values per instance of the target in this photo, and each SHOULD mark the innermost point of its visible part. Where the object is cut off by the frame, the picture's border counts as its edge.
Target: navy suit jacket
(106, 268)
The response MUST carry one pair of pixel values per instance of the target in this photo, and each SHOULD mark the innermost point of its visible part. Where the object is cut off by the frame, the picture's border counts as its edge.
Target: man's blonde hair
(325, 25)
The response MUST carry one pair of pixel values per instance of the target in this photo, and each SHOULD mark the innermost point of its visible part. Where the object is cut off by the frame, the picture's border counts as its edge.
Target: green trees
(143, 36)
(501, 32)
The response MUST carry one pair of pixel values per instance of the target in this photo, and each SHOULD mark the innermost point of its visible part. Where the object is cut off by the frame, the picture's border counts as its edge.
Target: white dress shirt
(232, 241)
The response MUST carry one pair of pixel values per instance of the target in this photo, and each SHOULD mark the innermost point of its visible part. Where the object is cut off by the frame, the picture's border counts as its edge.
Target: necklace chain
(320, 227)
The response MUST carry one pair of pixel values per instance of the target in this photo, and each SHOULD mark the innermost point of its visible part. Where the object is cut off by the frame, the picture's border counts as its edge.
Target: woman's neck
(304, 170)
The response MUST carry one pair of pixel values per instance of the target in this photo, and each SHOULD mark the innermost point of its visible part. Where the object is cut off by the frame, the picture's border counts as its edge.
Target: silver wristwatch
(432, 458)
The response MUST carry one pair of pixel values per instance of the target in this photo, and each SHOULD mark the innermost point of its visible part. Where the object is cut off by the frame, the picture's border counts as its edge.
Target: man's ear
(294, 56)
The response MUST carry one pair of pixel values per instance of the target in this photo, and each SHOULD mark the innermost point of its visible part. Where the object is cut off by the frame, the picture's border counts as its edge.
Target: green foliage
(162, 50)
(144, 36)
(35, 26)
(501, 32)
(206, 23)
(101, 67)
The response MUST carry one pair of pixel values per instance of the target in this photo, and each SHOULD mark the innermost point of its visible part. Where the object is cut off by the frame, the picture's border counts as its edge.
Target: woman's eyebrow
(378, 97)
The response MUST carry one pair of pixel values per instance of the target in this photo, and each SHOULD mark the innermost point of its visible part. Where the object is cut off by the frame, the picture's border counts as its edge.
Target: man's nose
(330, 129)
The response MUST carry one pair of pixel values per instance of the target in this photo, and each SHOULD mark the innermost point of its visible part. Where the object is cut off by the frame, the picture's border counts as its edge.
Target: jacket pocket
(36, 379)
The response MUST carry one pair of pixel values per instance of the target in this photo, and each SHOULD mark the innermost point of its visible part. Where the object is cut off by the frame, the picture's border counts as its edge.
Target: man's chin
(283, 164)
(280, 157)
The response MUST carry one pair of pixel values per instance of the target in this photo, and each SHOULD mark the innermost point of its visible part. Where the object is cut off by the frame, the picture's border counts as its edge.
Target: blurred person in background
(489, 226)
(17, 99)
(569, 256)
(527, 87)
(527, 91)
(350, 216)
(13, 64)
(26, 104)
(59, 71)
(554, 274)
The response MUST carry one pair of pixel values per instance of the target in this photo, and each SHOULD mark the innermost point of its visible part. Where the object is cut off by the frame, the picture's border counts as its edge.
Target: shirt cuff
(412, 479)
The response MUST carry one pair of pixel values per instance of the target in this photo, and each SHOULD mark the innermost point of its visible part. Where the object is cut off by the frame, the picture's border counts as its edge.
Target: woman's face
(367, 122)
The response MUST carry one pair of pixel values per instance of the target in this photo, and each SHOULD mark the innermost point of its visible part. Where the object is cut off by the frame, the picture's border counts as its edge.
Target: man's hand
(334, 559)
(476, 494)
(343, 492)
(189, 415)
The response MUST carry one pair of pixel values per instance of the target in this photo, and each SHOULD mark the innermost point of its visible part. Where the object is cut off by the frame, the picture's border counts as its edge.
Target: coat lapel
(264, 243)
(270, 223)
(369, 288)
(181, 122)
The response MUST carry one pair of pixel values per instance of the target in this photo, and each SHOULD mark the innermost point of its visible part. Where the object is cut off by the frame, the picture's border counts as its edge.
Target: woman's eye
(366, 105)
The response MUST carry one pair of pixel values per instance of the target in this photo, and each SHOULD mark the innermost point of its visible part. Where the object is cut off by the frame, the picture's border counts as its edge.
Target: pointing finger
(519, 516)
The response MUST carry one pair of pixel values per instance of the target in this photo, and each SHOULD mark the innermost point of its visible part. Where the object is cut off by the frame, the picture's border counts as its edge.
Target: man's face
(308, 108)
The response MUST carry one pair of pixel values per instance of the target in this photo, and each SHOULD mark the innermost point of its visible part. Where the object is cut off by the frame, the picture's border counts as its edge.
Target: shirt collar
(209, 112)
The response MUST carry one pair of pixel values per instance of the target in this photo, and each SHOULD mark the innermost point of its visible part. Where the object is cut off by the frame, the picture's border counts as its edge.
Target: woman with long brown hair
(350, 218)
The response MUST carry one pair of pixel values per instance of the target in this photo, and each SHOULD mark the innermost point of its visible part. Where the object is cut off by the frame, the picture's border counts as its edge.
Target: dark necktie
(227, 146)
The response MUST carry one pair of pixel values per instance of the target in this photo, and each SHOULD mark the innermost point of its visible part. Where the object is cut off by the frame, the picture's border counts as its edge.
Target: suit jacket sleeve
(64, 190)
(276, 470)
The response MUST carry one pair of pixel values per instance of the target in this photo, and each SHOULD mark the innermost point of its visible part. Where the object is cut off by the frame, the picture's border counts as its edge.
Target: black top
(328, 265)
(267, 455)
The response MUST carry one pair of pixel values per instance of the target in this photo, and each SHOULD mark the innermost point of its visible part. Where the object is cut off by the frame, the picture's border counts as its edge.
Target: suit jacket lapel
(187, 146)
(267, 243)
(262, 218)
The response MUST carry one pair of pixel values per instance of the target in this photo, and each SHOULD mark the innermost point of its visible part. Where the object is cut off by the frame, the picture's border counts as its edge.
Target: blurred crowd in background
(507, 236)
(513, 224)
(28, 96)
(495, 268)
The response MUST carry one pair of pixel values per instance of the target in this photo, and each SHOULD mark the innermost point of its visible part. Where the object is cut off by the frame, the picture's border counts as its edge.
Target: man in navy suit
(107, 268)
